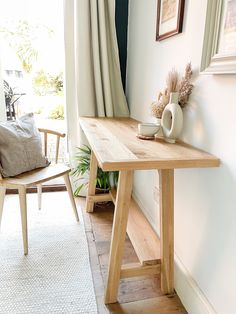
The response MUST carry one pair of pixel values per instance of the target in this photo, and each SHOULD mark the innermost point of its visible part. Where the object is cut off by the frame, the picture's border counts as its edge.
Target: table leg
(166, 184)
(92, 183)
(118, 235)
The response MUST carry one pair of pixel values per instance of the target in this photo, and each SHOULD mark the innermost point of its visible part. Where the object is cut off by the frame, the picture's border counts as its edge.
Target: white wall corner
(193, 299)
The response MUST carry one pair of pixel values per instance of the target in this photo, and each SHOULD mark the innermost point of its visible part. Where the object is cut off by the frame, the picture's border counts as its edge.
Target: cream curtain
(93, 79)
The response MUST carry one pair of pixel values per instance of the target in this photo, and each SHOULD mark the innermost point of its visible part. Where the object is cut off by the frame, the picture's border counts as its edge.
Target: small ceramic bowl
(148, 129)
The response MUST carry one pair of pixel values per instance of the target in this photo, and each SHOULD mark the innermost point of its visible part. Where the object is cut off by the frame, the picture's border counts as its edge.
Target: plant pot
(101, 191)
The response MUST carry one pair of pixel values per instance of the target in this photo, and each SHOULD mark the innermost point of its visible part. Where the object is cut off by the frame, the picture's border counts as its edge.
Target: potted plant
(104, 181)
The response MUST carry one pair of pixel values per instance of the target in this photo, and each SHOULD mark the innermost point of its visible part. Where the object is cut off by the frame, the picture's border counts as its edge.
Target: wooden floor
(136, 295)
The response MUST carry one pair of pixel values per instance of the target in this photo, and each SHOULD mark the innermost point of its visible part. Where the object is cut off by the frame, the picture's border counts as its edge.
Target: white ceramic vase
(172, 119)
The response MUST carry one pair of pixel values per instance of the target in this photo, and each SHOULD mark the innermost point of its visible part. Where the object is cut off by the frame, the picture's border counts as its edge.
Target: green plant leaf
(78, 189)
(104, 180)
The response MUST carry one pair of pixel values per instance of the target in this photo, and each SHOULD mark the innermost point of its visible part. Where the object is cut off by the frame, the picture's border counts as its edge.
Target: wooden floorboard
(141, 295)
(158, 305)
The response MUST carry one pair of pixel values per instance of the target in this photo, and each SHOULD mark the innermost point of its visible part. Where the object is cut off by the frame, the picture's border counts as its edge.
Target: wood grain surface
(117, 147)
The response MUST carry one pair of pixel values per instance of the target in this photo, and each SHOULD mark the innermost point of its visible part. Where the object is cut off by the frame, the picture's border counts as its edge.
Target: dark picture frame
(169, 21)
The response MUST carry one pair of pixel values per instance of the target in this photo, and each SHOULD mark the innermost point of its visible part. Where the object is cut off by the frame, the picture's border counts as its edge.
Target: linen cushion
(20, 146)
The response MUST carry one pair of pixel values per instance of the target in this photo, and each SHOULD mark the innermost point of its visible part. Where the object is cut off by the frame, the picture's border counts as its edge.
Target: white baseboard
(193, 299)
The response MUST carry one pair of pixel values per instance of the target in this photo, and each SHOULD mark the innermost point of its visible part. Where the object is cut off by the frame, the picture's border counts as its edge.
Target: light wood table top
(116, 146)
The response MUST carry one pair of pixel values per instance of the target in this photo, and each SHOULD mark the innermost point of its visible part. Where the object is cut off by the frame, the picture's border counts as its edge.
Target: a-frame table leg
(92, 183)
(118, 235)
(166, 185)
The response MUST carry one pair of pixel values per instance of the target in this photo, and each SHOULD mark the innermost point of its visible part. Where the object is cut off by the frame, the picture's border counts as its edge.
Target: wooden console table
(115, 147)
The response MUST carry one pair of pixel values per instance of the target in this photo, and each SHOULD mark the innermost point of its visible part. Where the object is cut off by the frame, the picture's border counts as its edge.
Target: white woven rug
(55, 277)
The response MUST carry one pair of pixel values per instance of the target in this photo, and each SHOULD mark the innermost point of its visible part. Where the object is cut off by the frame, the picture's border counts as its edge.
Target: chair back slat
(58, 135)
(57, 148)
(45, 144)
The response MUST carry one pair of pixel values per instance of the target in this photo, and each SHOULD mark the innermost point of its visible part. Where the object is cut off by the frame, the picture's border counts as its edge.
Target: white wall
(205, 199)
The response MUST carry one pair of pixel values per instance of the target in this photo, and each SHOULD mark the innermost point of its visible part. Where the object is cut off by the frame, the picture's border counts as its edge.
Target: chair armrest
(52, 132)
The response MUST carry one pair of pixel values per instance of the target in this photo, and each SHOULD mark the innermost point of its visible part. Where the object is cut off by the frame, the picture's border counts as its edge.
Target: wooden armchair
(36, 178)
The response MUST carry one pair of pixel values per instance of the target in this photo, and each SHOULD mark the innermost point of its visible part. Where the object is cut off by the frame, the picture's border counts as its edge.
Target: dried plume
(185, 87)
(157, 107)
(172, 81)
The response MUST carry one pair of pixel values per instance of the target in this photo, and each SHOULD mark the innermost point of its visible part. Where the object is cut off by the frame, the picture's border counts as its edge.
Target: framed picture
(169, 18)
(219, 46)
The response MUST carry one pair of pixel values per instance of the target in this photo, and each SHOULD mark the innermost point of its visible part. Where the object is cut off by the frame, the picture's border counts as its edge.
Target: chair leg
(23, 209)
(2, 197)
(69, 189)
(39, 189)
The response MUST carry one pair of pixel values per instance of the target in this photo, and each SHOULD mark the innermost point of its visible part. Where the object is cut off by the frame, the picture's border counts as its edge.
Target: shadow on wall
(195, 124)
(219, 225)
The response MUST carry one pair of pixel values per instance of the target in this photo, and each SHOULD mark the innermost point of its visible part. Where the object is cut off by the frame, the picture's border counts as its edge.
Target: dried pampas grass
(183, 87)
(172, 81)
(158, 106)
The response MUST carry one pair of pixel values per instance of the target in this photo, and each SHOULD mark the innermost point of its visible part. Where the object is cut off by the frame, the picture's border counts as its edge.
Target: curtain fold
(93, 78)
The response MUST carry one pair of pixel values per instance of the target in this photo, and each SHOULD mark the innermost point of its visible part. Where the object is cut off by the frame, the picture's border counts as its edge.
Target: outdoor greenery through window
(32, 58)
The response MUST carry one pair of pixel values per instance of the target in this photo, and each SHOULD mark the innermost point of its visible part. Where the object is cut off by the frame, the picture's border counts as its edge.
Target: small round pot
(148, 129)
